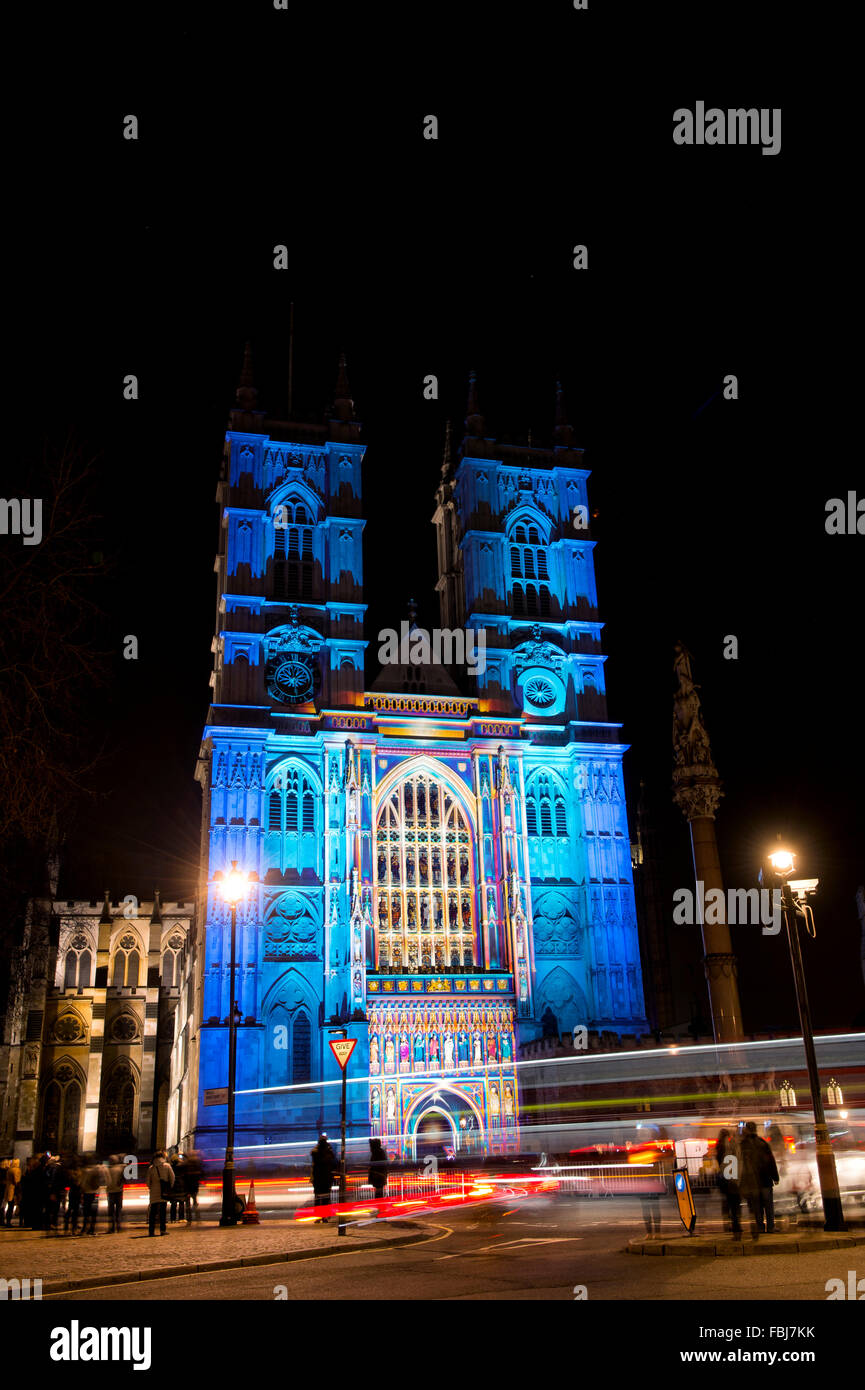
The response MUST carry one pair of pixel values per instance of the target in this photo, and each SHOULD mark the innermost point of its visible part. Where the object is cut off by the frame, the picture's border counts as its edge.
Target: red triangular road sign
(342, 1048)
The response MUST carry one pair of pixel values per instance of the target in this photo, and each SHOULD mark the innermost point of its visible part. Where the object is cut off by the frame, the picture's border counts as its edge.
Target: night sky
(417, 257)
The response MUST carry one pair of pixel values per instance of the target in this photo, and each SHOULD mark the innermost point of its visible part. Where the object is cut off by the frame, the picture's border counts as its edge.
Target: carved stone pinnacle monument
(697, 792)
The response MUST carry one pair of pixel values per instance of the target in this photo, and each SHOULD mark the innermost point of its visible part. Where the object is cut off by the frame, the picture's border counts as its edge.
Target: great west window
(425, 902)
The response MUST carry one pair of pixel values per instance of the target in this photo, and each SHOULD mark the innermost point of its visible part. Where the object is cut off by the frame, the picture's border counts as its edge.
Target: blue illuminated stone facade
(443, 860)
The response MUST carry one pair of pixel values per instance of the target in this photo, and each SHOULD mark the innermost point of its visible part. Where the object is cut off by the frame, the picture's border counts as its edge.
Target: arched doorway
(434, 1135)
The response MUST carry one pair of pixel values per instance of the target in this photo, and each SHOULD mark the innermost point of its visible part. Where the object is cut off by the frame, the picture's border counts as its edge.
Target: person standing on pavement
(759, 1173)
(55, 1178)
(160, 1180)
(95, 1176)
(178, 1190)
(10, 1195)
(115, 1192)
(728, 1160)
(193, 1173)
(31, 1195)
(323, 1168)
(377, 1168)
(74, 1178)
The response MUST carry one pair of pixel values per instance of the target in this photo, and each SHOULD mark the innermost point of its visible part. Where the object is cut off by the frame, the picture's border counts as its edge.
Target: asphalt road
(534, 1248)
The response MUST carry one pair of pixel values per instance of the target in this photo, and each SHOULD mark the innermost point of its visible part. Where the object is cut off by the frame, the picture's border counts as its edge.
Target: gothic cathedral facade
(441, 858)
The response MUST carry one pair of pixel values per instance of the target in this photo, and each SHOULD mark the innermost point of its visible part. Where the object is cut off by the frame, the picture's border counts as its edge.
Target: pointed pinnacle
(564, 435)
(246, 394)
(446, 458)
(474, 421)
(342, 402)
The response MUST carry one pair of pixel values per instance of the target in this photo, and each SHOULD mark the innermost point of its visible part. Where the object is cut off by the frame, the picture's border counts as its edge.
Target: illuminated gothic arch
(293, 816)
(425, 909)
(416, 1111)
(290, 1004)
(127, 951)
(62, 1109)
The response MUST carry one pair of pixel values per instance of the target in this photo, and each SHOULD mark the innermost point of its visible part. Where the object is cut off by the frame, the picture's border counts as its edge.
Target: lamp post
(233, 886)
(782, 862)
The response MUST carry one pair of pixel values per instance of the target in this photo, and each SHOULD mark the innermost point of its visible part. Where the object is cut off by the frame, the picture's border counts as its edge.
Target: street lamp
(794, 893)
(233, 886)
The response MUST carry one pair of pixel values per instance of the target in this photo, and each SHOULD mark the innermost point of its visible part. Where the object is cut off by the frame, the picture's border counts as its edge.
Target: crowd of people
(60, 1194)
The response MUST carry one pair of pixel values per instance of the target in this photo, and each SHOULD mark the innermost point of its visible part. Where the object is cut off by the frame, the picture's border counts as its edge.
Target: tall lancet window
(293, 836)
(547, 826)
(529, 562)
(425, 898)
(292, 552)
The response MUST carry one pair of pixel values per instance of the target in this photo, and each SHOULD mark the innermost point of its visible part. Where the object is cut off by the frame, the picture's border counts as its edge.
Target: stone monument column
(697, 792)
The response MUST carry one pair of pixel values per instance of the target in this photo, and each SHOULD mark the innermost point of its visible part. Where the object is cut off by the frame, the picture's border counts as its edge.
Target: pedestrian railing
(403, 1186)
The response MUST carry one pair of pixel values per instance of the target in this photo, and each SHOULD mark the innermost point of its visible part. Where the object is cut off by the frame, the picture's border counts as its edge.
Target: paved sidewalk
(795, 1240)
(82, 1262)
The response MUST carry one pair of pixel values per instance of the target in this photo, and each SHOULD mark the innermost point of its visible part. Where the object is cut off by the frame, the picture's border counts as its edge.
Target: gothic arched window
(117, 1111)
(77, 965)
(289, 1058)
(126, 962)
(301, 1048)
(61, 1110)
(529, 560)
(425, 904)
(171, 961)
(293, 819)
(547, 826)
(292, 552)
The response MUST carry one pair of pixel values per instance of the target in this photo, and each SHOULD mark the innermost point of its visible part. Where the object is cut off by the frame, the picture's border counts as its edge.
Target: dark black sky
(417, 257)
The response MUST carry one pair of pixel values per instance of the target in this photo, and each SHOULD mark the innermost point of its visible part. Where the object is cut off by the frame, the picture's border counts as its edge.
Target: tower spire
(563, 434)
(246, 394)
(474, 421)
(343, 404)
(447, 461)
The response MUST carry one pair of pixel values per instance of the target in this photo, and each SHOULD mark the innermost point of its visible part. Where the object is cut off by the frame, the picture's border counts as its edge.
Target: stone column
(697, 792)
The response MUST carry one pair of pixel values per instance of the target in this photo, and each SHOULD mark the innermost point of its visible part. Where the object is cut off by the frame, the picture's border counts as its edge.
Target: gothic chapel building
(442, 859)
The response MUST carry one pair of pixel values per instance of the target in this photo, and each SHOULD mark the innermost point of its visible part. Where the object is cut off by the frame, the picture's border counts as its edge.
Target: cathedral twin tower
(442, 857)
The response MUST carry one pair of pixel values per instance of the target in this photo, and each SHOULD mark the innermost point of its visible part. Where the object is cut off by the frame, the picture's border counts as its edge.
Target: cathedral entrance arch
(434, 1135)
(442, 1115)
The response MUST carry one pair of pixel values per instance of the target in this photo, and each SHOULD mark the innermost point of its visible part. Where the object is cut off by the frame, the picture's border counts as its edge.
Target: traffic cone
(250, 1215)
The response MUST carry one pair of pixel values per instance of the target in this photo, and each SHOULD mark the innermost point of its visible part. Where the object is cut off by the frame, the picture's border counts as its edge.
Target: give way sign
(342, 1048)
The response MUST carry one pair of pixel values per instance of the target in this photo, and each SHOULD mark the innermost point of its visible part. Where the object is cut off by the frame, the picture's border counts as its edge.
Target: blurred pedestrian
(74, 1177)
(377, 1168)
(759, 1173)
(177, 1200)
(31, 1195)
(94, 1177)
(728, 1159)
(323, 1168)
(10, 1193)
(55, 1192)
(114, 1187)
(193, 1173)
(160, 1180)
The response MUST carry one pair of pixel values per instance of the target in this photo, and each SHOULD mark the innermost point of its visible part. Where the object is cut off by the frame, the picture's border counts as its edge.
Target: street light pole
(229, 1214)
(233, 887)
(833, 1211)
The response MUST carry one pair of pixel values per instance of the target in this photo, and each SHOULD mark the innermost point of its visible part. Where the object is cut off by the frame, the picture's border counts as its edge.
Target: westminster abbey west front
(442, 857)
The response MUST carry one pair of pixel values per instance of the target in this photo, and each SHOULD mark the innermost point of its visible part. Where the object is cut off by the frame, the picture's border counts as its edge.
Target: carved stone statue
(690, 740)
